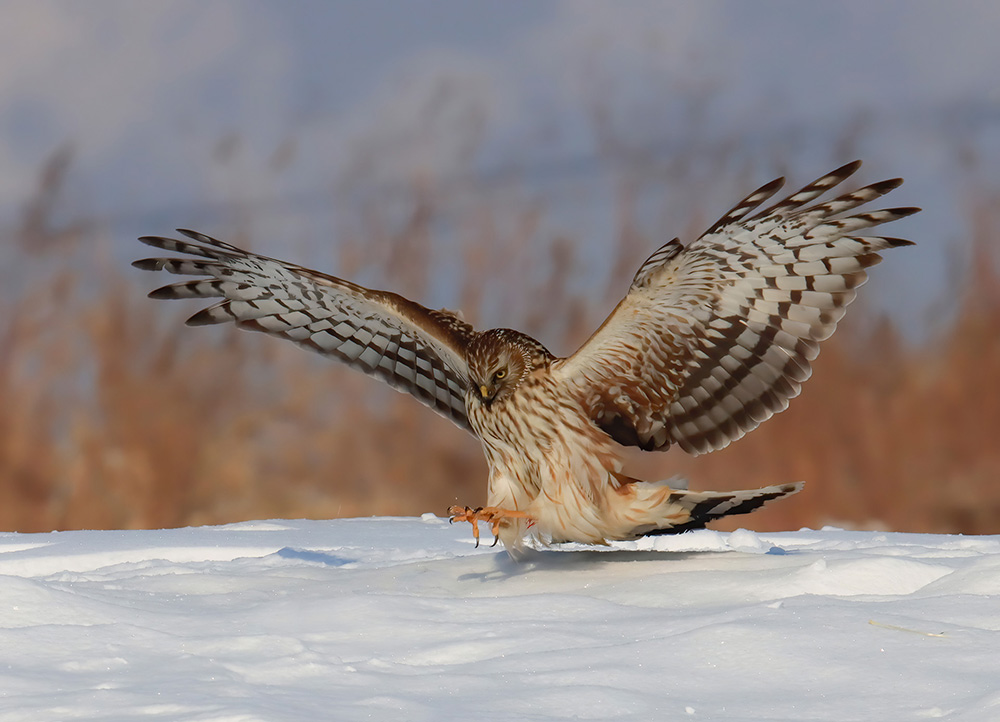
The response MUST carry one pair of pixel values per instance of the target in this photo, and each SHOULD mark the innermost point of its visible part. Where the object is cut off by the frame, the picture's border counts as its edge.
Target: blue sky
(313, 96)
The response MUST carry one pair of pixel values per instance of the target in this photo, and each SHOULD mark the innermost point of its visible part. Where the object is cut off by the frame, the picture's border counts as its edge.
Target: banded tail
(706, 506)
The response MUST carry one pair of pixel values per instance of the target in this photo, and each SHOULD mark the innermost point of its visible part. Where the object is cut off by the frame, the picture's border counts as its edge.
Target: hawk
(710, 340)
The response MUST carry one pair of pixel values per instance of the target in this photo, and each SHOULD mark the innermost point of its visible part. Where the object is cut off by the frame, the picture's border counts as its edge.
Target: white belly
(557, 470)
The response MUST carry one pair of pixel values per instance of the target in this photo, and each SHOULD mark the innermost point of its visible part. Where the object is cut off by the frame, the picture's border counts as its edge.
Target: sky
(184, 113)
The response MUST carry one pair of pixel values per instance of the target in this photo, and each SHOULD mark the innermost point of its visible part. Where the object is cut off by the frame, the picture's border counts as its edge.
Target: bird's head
(499, 361)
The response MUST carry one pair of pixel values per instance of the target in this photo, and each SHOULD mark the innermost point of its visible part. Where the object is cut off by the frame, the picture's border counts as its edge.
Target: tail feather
(706, 506)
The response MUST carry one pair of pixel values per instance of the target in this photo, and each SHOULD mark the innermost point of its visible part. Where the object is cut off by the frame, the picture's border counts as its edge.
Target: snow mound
(404, 619)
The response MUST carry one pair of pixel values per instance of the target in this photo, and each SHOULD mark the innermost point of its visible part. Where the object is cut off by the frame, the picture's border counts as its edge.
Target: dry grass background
(115, 415)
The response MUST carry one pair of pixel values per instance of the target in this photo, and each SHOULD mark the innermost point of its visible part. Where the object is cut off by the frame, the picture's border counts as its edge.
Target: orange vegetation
(115, 415)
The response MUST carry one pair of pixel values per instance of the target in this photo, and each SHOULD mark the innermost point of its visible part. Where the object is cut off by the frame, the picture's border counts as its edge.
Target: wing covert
(719, 336)
(414, 349)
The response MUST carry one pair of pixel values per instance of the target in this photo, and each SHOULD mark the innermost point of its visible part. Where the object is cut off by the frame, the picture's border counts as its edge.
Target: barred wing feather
(713, 339)
(414, 349)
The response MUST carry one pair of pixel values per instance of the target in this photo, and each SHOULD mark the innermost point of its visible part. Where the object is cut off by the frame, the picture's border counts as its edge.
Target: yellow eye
(502, 373)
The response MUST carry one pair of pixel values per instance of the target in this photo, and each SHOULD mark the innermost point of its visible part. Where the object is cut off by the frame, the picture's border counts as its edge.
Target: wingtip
(905, 211)
(849, 168)
(204, 317)
(163, 293)
(772, 187)
(883, 187)
(148, 264)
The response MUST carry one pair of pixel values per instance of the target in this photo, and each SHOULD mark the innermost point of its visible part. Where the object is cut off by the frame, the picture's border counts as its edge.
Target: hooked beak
(484, 391)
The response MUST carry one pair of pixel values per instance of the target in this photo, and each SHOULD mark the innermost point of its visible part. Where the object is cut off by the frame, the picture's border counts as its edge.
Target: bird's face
(496, 368)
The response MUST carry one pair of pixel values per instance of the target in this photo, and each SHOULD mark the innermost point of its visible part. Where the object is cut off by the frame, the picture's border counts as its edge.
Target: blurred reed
(115, 415)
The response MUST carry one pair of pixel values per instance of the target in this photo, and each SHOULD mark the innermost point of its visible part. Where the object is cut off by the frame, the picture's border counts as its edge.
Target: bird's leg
(491, 515)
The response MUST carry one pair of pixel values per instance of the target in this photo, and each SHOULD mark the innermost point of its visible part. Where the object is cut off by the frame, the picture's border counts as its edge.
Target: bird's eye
(502, 373)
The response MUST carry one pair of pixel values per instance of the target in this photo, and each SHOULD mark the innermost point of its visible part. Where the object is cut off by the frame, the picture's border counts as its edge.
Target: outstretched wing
(414, 349)
(713, 339)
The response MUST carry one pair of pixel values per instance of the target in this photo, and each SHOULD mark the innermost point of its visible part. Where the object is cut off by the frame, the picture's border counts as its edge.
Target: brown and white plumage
(414, 349)
(715, 338)
(711, 340)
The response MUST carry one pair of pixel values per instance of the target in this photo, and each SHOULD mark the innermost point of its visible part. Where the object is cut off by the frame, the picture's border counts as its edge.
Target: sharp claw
(488, 515)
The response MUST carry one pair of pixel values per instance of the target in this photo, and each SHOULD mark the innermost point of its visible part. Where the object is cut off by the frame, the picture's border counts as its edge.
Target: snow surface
(402, 619)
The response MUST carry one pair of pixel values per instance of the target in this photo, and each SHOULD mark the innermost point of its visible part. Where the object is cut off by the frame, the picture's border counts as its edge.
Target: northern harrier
(711, 340)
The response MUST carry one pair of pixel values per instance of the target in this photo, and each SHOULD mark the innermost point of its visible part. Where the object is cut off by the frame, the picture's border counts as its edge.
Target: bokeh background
(517, 160)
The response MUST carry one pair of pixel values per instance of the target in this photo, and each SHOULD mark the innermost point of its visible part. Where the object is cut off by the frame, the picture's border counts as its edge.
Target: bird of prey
(710, 340)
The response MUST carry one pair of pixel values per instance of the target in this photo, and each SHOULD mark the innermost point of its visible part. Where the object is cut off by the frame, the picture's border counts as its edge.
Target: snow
(403, 619)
